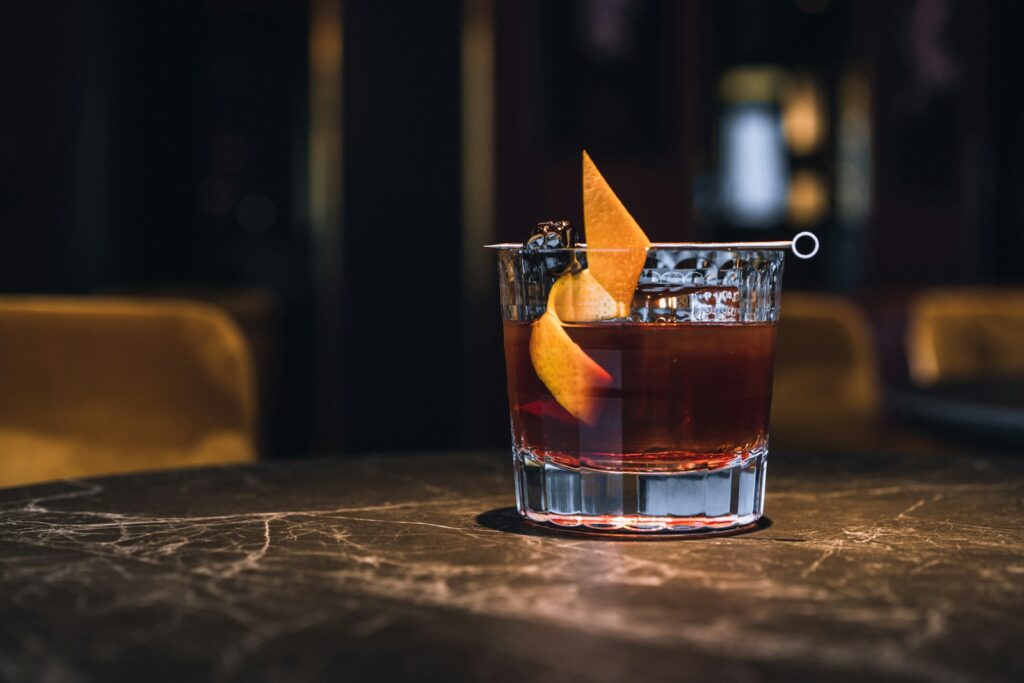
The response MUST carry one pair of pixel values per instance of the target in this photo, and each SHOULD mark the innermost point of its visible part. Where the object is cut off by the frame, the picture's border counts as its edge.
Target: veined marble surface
(413, 567)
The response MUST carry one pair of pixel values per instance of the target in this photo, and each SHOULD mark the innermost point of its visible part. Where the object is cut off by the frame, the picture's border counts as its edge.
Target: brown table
(414, 567)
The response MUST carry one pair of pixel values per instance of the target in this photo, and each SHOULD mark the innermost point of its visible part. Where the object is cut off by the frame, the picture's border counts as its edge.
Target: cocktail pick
(792, 245)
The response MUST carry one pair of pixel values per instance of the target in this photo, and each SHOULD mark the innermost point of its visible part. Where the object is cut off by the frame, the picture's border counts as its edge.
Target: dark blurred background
(328, 170)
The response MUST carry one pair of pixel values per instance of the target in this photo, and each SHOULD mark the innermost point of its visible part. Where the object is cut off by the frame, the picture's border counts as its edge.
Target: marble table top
(416, 568)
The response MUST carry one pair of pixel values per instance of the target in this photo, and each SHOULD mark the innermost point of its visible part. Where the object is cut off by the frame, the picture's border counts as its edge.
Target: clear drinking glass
(673, 429)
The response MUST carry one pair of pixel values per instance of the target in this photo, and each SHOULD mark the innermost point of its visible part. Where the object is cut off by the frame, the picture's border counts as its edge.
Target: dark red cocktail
(683, 396)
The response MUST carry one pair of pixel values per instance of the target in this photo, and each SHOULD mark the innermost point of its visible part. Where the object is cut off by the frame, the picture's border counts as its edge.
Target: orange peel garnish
(579, 297)
(573, 378)
(602, 291)
(608, 225)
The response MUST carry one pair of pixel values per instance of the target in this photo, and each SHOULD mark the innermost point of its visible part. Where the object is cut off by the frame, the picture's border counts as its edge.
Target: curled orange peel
(573, 378)
(579, 297)
(609, 225)
(602, 291)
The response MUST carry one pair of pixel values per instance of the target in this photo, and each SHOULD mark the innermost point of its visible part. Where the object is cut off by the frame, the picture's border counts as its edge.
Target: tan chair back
(826, 391)
(100, 386)
(959, 334)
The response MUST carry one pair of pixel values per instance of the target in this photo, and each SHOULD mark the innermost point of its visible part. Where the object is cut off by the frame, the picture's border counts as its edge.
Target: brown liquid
(684, 396)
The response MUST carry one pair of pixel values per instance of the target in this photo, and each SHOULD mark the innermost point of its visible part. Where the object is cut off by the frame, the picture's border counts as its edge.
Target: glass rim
(687, 246)
(775, 245)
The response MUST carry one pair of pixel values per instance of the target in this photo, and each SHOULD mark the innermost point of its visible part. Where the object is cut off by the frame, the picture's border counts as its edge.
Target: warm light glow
(325, 38)
(808, 198)
(803, 117)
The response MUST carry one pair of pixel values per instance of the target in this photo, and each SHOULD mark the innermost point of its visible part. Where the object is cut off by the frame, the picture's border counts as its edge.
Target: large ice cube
(661, 303)
(715, 303)
(551, 235)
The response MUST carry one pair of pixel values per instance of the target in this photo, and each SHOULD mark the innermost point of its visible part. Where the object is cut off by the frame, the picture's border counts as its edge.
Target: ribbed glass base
(696, 501)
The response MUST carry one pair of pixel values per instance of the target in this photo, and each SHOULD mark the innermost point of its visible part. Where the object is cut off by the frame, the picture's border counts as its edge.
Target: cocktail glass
(667, 421)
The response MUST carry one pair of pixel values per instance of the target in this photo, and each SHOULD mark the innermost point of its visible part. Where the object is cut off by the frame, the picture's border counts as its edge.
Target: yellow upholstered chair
(101, 386)
(965, 333)
(826, 392)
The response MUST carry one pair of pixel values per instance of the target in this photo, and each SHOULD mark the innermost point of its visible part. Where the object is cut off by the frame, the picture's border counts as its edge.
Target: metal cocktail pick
(779, 244)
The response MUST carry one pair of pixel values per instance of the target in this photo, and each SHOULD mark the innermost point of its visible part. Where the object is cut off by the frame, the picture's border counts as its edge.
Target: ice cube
(545, 266)
(659, 303)
(715, 304)
(551, 235)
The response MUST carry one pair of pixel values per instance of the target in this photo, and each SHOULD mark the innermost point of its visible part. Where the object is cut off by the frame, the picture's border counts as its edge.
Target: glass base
(695, 501)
